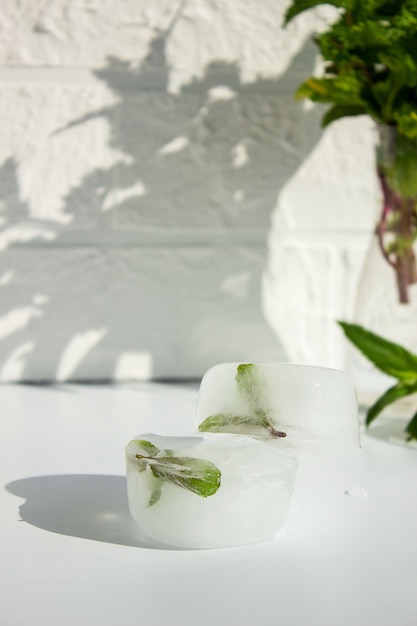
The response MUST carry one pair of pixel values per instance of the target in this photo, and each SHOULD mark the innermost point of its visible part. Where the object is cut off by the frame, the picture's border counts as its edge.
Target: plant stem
(402, 257)
(387, 209)
(267, 424)
(276, 433)
(405, 266)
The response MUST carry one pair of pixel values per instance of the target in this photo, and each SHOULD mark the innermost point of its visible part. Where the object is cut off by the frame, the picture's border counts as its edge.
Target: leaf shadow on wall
(145, 293)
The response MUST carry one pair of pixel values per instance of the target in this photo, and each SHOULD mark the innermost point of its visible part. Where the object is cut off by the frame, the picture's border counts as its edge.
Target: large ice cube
(314, 407)
(249, 506)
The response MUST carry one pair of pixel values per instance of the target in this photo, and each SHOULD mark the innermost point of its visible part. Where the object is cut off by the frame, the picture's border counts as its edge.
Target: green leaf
(387, 356)
(390, 396)
(251, 385)
(406, 119)
(372, 43)
(197, 475)
(412, 428)
(154, 485)
(147, 447)
(228, 423)
(156, 494)
(341, 90)
(342, 110)
(402, 72)
(401, 174)
(299, 6)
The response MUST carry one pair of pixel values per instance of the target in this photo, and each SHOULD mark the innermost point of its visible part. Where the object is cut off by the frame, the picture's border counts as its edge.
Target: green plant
(370, 68)
(392, 359)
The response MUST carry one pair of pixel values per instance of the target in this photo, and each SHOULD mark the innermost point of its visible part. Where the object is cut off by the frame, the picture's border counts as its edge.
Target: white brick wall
(165, 204)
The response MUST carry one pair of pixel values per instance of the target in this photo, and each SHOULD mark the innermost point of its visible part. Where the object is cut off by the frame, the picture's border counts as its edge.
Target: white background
(165, 204)
(71, 554)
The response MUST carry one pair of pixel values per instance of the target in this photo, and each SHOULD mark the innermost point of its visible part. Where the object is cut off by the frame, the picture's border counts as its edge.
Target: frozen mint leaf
(197, 475)
(147, 447)
(155, 495)
(254, 424)
(251, 385)
(387, 356)
(228, 423)
(155, 487)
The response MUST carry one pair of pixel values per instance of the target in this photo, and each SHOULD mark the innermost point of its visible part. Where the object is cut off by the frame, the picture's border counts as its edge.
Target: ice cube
(314, 407)
(249, 506)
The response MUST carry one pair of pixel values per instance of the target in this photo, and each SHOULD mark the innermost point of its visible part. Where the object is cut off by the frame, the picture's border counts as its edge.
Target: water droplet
(360, 492)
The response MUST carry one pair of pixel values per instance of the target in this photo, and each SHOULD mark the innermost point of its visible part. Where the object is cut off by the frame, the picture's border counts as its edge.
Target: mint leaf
(229, 423)
(240, 424)
(342, 110)
(197, 475)
(387, 356)
(155, 486)
(391, 395)
(392, 359)
(253, 388)
(251, 385)
(156, 494)
(411, 429)
(298, 6)
(147, 447)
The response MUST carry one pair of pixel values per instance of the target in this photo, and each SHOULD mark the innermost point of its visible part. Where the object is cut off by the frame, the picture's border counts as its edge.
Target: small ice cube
(249, 506)
(304, 409)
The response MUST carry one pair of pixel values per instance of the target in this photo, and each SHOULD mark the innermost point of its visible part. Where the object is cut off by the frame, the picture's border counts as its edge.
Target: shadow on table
(80, 505)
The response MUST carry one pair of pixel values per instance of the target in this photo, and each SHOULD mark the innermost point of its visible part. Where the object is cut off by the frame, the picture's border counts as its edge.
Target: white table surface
(69, 555)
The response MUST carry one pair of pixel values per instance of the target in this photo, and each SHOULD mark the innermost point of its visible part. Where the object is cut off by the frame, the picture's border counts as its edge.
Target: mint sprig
(370, 68)
(253, 389)
(196, 475)
(392, 359)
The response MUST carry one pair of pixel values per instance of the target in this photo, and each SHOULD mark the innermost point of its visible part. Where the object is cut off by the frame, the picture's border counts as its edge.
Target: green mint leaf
(342, 110)
(155, 487)
(239, 424)
(251, 385)
(253, 388)
(411, 429)
(156, 494)
(391, 395)
(147, 447)
(228, 423)
(387, 356)
(197, 475)
(299, 6)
